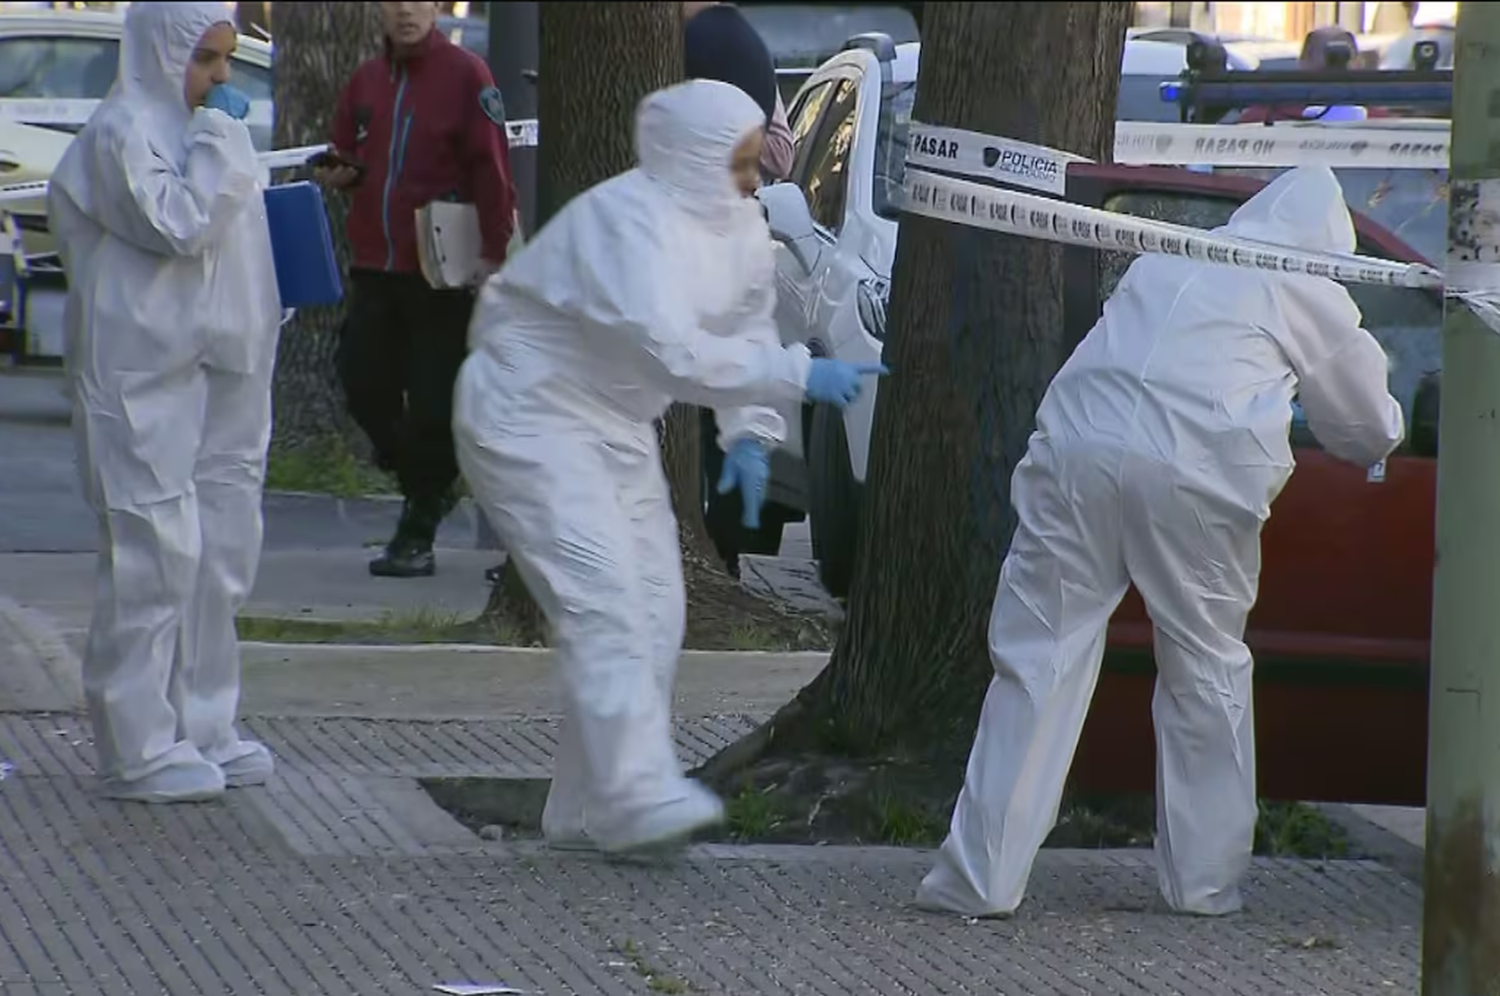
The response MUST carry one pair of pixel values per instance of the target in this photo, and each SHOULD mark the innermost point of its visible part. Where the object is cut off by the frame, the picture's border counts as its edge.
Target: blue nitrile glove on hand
(748, 465)
(837, 383)
(226, 98)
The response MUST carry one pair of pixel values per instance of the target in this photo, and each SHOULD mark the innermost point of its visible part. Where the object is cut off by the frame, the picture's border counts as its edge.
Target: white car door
(799, 269)
(821, 122)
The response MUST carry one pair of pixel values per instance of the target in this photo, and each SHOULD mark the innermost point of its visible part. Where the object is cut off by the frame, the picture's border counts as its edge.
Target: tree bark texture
(598, 61)
(976, 334)
(318, 47)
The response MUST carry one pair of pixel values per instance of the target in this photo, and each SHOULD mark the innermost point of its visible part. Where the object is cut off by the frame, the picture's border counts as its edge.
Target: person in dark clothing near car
(421, 122)
(720, 44)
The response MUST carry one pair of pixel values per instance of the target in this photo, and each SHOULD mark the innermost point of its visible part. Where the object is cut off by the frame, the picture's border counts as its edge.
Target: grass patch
(1282, 829)
(328, 467)
(1297, 830)
(401, 628)
(750, 637)
(903, 824)
(752, 815)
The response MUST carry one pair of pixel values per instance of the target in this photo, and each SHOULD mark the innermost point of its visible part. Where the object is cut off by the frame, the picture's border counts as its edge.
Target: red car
(1340, 630)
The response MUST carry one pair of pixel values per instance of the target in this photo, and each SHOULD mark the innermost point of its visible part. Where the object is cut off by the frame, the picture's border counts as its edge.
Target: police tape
(275, 159)
(1014, 212)
(971, 153)
(1346, 145)
(1353, 145)
(74, 113)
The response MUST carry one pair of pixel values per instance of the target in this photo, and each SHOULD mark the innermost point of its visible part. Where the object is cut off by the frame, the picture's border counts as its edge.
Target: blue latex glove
(837, 383)
(226, 98)
(748, 465)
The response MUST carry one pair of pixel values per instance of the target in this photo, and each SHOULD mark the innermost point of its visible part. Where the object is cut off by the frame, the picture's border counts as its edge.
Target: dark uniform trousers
(398, 357)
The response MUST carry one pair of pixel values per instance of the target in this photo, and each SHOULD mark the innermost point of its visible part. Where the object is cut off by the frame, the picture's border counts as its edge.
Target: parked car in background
(28, 154)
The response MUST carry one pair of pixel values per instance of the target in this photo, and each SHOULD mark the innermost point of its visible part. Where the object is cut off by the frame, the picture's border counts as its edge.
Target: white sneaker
(670, 822)
(251, 764)
(187, 781)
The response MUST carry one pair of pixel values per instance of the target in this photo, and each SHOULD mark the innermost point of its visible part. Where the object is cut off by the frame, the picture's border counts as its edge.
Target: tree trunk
(976, 334)
(598, 61)
(318, 47)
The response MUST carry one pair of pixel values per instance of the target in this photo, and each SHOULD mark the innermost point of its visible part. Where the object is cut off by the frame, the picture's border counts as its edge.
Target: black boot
(409, 553)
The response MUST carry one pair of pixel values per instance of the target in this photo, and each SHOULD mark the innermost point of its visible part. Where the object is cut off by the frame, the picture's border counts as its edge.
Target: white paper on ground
(471, 989)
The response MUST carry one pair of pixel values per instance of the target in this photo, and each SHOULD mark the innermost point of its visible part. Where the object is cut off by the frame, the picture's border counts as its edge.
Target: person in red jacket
(424, 122)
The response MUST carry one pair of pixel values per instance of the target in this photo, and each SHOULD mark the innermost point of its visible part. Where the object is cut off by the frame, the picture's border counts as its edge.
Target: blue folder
(307, 272)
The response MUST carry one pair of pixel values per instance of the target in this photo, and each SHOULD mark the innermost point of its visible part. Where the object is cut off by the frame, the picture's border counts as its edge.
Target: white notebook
(448, 244)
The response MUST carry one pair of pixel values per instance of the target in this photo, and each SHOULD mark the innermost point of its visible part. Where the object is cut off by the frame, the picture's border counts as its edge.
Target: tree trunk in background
(318, 47)
(976, 334)
(598, 60)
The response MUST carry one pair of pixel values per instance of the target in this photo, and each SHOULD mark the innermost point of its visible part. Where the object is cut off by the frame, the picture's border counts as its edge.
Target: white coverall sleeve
(1343, 373)
(754, 421)
(140, 198)
(624, 286)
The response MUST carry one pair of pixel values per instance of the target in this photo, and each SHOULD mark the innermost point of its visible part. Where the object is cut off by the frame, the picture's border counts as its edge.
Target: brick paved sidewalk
(343, 878)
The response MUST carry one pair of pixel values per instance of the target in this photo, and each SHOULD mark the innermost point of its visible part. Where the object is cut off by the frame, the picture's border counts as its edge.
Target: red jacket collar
(435, 39)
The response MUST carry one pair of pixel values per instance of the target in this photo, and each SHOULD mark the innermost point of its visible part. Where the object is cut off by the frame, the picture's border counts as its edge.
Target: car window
(825, 164)
(58, 68)
(802, 118)
(1406, 322)
(254, 81)
(891, 137)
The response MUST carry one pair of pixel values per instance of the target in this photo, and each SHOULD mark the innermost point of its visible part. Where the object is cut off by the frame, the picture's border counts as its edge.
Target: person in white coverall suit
(655, 286)
(171, 323)
(1158, 450)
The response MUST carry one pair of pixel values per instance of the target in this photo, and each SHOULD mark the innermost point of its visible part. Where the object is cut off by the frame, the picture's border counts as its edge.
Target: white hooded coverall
(653, 287)
(171, 324)
(1158, 450)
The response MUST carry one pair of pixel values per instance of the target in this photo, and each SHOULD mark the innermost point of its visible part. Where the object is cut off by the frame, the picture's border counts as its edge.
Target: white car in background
(835, 224)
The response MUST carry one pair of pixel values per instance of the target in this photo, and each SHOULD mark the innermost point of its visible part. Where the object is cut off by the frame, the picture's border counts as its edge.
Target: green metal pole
(1461, 917)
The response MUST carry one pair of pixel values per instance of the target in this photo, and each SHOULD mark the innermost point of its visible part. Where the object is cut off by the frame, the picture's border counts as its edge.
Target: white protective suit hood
(685, 137)
(155, 50)
(652, 287)
(1197, 364)
(1302, 208)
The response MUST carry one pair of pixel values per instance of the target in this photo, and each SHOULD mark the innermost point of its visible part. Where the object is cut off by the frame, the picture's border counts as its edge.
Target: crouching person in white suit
(1158, 450)
(655, 286)
(172, 318)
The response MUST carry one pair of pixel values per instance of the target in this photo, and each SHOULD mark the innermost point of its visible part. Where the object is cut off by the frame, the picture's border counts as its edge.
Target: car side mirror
(1424, 415)
(791, 222)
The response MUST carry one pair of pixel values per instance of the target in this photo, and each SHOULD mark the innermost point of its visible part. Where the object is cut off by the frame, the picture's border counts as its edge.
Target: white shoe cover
(250, 763)
(669, 822)
(189, 781)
